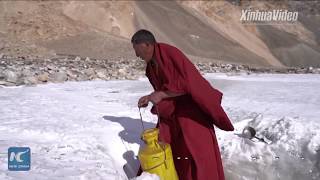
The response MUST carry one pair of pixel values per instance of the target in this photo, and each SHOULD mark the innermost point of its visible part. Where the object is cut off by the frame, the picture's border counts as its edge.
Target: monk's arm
(157, 96)
(168, 94)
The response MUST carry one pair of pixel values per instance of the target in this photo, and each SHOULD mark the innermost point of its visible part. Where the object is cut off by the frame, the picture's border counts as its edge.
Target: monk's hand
(143, 101)
(157, 96)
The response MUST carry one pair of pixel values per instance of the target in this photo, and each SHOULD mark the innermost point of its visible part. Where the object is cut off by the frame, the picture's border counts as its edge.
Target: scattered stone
(101, 73)
(21, 58)
(122, 71)
(89, 72)
(44, 77)
(2, 75)
(31, 80)
(11, 76)
(59, 76)
(309, 70)
(72, 74)
(5, 83)
(32, 70)
(82, 77)
(26, 72)
(51, 67)
(77, 58)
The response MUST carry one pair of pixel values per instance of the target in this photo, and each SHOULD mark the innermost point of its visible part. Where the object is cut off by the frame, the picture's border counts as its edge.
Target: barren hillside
(205, 30)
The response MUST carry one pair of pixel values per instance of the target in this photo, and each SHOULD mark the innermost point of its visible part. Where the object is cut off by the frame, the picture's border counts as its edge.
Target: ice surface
(91, 130)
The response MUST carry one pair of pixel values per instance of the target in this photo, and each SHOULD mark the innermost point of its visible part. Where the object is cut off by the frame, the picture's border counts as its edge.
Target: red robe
(186, 122)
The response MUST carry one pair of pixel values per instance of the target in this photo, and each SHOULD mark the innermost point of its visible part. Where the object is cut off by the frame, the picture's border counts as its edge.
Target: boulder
(30, 80)
(72, 74)
(101, 73)
(11, 76)
(59, 76)
(43, 77)
(77, 58)
(89, 72)
(82, 77)
(5, 83)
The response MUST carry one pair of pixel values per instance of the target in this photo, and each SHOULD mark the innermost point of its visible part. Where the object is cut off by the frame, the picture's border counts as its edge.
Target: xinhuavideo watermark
(268, 17)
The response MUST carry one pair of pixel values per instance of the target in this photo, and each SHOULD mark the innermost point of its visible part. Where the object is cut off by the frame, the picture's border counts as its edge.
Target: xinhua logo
(268, 17)
(19, 158)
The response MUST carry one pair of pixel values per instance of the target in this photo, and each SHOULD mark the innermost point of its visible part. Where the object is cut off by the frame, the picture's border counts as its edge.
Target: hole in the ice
(114, 91)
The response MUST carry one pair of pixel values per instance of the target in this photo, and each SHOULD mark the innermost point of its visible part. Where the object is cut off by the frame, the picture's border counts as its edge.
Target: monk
(188, 108)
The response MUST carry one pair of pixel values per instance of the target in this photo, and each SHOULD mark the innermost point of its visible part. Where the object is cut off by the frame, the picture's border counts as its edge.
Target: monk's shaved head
(143, 36)
(143, 43)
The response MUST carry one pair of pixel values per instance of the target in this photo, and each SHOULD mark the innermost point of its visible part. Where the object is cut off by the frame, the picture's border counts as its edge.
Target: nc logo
(19, 158)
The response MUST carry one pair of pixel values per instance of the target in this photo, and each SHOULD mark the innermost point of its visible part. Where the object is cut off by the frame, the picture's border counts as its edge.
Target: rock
(108, 78)
(60, 76)
(31, 80)
(72, 74)
(87, 59)
(89, 72)
(26, 72)
(44, 77)
(122, 71)
(2, 75)
(11, 76)
(113, 75)
(5, 83)
(311, 70)
(101, 73)
(1, 55)
(47, 60)
(51, 67)
(77, 58)
(82, 77)
(21, 58)
(131, 77)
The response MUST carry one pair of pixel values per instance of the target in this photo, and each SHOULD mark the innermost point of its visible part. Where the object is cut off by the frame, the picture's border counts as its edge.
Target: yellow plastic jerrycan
(156, 157)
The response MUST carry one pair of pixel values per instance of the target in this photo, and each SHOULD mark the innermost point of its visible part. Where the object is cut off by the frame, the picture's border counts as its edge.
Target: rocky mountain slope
(209, 31)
